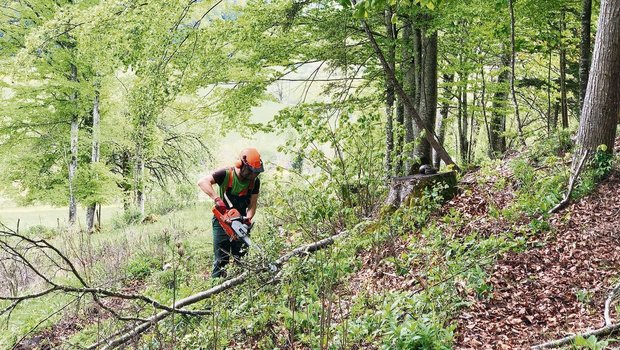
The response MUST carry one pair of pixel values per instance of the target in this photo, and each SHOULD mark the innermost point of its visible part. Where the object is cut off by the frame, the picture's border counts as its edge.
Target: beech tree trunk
(409, 85)
(497, 145)
(428, 95)
(599, 116)
(463, 122)
(584, 60)
(431, 137)
(513, 58)
(389, 94)
(440, 125)
(563, 101)
(90, 211)
(74, 153)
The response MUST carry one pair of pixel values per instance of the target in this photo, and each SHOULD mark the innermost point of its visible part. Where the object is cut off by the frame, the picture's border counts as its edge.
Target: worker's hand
(247, 221)
(220, 205)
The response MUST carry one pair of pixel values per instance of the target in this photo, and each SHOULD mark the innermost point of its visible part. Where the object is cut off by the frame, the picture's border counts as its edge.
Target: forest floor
(555, 287)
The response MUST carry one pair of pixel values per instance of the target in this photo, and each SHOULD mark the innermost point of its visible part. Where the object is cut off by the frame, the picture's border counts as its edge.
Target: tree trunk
(74, 153)
(400, 138)
(432, 139)
(584, 60)
(139, 181)
(563, 102)
(428, 95)
(443, 116)
(409, 84)
(549, 117)
(126, 180)
(463, 116)
(389, 94)
(513, 57)
(601, 107)
(90, 211)
(498, 116)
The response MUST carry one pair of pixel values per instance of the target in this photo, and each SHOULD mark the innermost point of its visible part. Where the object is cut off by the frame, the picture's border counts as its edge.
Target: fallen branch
(607, 330)
(612, 295)
(144, 326)
(571, 185)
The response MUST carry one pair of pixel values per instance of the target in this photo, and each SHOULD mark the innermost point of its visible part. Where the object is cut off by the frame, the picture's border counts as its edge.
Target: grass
(116, 254)
(44, 215)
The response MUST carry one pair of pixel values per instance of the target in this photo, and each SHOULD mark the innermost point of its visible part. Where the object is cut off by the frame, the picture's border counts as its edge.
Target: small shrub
(129, 217)
(142, 266)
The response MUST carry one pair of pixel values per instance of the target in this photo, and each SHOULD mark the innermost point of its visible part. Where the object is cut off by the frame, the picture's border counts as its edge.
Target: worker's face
(247, 173)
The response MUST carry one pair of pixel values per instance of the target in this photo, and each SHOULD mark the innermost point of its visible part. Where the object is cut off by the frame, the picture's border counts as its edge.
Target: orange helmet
(250, 158)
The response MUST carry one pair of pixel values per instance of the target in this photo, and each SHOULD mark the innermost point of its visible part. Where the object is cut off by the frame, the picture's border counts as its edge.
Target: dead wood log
(604, 331)
(404, 189)
(144, 326)
(612, 296)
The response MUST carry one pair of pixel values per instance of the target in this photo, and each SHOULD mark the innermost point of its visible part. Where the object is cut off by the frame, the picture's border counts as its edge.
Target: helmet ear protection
(251, 158)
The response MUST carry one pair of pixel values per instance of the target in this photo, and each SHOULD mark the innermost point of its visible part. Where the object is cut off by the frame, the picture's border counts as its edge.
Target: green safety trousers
(224, 249)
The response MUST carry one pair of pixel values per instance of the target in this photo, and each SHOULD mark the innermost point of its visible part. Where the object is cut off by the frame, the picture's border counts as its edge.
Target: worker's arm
(252, 207)
(206, 185)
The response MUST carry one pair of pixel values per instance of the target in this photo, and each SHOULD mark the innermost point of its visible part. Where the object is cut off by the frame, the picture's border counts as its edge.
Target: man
(238, 188)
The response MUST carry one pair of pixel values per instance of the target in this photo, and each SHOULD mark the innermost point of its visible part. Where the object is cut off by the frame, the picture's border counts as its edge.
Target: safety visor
(258, 169)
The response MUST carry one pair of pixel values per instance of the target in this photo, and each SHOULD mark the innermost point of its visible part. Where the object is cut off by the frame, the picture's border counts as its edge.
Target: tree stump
(404, 189)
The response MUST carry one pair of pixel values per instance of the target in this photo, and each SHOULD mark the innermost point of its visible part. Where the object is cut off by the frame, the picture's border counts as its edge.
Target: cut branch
(604, 331)
(571, 184)
(612, 296)
(231, 283)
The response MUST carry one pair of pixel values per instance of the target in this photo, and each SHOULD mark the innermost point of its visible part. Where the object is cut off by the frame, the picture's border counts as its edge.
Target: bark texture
(602, 101)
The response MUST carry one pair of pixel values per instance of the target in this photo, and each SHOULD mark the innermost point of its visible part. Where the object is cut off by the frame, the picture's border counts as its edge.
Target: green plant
(128, 217)
(591, 343)
(602, 161)
(583, 296)
(141, 266)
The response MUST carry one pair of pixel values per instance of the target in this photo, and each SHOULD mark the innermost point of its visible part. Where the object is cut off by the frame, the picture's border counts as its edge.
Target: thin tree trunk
(431, 137)
(126, 182)
(400, 138)
(563, 101)
(513, 56)
(409, 85)
(74, 153)
(443, 116)
(389, 94)
(428, 95)
(601, 106)
(483, 104)
(584, 47)
(463, 116)
(139, 183)
(549, 117)
(90, 212)
(498, 116)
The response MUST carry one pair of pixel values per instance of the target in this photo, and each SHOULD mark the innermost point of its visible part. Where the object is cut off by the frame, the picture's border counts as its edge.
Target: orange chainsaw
(234, 225)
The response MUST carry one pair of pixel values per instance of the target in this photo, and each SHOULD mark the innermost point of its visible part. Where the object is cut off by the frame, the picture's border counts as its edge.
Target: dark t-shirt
(220, 175)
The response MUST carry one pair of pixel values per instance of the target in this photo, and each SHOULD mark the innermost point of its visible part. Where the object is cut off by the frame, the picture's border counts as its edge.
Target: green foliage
(590, 343)
(142, 266)
(96, 184)
(174, 197)
(537, 190)
(603, 162)
(397, 321)
(128, 217)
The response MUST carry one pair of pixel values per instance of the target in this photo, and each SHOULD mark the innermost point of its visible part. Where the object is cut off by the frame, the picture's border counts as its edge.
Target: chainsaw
(234, 225)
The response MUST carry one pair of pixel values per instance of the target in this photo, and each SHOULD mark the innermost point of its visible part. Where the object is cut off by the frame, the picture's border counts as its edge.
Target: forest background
(117, 107)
